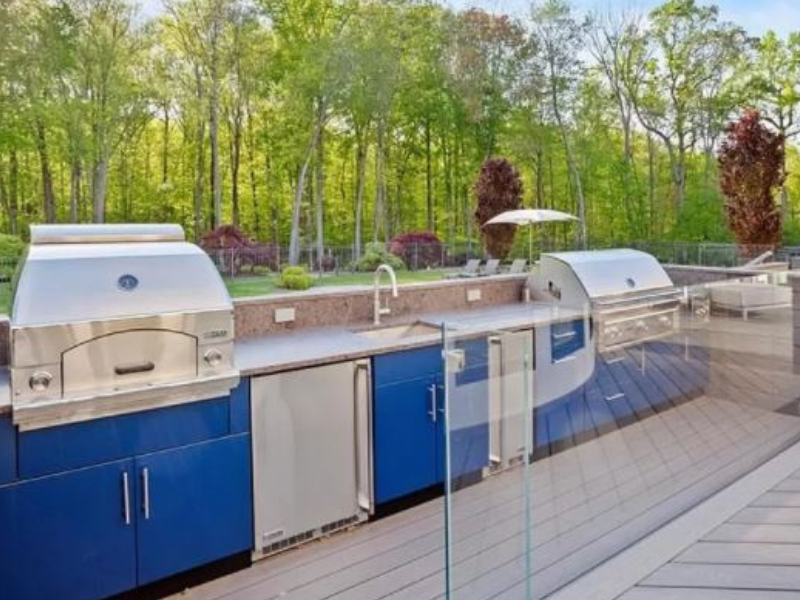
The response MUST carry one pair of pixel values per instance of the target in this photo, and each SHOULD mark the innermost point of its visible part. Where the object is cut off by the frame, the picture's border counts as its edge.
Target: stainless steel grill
(108, 319)
(630, 296)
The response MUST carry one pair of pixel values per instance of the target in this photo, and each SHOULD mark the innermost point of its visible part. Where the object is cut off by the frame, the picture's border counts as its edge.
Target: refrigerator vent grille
(309, 535)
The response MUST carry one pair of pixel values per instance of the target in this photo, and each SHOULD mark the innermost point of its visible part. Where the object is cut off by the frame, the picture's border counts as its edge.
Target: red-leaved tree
(751, 173)
(498, 189)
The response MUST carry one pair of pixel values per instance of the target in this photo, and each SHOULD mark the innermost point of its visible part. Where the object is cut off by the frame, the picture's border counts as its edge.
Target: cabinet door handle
(146, 492)
(126, 498)
(613, 397)
(432, 395)
(565, 336)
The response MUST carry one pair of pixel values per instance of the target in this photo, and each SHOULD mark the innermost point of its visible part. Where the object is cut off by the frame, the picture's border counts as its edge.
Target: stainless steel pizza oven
(108, 319)
(629, 295)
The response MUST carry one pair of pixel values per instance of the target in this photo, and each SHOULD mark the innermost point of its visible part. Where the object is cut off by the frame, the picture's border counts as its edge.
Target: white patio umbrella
(530, 216)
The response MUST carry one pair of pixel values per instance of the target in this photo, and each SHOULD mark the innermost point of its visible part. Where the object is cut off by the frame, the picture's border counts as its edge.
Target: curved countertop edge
(313, 347)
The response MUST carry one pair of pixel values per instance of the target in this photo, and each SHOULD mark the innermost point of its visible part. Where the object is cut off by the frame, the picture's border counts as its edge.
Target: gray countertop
(285, 351)
(305, 348)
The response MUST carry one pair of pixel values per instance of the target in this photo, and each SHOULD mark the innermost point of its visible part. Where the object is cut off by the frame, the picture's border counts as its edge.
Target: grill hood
(116, 318)
(604, 273)
(67, 283)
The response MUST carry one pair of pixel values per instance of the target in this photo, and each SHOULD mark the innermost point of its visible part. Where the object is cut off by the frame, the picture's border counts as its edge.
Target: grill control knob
(213, 357)
(40, 381)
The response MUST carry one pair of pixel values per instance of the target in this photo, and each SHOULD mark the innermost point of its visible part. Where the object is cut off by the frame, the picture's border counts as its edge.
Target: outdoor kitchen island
(123, 494)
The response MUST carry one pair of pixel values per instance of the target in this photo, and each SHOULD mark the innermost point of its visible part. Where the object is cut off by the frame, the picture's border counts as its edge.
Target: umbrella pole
(530, 245)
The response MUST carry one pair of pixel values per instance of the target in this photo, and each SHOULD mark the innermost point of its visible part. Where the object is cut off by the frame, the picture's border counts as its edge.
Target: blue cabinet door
(194, 506)
(406, 437)
(67, 536)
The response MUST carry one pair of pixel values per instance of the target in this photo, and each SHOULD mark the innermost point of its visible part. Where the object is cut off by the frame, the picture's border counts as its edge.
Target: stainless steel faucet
(378, 309)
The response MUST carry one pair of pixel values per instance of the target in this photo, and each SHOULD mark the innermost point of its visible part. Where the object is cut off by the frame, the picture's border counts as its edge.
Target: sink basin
(399, 332)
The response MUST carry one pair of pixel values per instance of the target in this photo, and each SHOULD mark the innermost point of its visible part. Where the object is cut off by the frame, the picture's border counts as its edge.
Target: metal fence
(248, 262)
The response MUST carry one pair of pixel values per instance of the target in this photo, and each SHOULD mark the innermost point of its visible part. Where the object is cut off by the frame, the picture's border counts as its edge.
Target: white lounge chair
(750, 297)
(518, 266)
(492, 267)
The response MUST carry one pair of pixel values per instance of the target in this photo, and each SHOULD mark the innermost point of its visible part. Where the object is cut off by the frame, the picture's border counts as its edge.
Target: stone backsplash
(354, 307)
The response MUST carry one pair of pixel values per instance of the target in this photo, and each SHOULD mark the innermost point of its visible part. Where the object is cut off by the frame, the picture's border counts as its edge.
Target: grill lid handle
(136, 368)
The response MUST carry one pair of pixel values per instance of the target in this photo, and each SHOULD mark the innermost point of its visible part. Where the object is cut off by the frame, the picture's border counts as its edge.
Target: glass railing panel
(488, 437)
(616, 439)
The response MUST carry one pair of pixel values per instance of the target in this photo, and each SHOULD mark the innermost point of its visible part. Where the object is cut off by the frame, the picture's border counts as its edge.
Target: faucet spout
(378, 310)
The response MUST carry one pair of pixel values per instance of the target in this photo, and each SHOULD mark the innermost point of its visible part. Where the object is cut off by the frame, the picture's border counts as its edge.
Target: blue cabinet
(407, 414)
(96, 532)
(566, 339)
(69, 536)
(194, 506)
(409, 425)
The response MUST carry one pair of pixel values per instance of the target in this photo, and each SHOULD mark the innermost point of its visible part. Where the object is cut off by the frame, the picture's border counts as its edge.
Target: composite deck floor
(587, 502)
(755, 555)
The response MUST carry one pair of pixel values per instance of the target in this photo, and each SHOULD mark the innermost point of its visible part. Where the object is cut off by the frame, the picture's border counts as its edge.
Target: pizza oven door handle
(132, 369)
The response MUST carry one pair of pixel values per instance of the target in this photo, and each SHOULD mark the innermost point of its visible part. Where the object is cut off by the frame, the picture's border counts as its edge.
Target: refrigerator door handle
(363, 436)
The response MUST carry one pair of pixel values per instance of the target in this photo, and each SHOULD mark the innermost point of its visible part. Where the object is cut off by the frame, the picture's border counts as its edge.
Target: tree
(775, 79)
(674, 59)
(108, 51)
(560, 39)
(486, 55)
(498, 189)
(751, 171)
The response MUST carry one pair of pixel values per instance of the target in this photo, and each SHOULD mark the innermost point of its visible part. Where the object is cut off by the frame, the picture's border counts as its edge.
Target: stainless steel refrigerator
(312, 453)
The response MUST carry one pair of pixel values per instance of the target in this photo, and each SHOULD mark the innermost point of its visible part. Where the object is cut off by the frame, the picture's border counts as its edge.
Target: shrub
(375, 255)
(11, 249)
(421, 249)
(498, 189)
(295, 278)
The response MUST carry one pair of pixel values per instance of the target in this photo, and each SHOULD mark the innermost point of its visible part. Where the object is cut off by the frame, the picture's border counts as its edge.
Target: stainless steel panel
(106, 233)
(44, 344)
(308, 467)
(604, 273)
(510, 381)
(94, 404)
(363, 432)
(129, 359)
(84, 282)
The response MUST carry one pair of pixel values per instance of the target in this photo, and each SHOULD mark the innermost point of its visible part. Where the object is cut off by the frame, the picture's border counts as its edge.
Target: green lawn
(263, 285)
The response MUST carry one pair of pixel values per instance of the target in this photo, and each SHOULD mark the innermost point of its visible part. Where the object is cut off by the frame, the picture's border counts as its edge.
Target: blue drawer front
(57, 449)
(8, 450)
(566, 339)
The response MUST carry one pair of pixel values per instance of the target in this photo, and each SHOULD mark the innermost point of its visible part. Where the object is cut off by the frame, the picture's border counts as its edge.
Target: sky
(756, 16)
